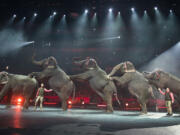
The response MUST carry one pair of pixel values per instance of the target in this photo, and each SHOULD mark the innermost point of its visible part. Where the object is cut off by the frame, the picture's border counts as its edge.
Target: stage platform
(54, 121)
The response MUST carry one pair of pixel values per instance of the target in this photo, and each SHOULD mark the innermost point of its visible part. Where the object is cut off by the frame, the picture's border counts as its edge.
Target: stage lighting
(95, 14)
(35, 14)
(24, 18)
(145, 11)
(110, 10)
(54, 13)
(170, 11)
(64, 15)
(155, 8)
(132, 9)
(119, 12)
(14, 16)
(118, 37)
(86, 11)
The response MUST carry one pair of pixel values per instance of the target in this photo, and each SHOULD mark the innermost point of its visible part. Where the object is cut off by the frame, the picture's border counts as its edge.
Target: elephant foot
(109, 111)
(8, 106)
(25, 109)
(25, 106)
(64, 109)
(143, 113)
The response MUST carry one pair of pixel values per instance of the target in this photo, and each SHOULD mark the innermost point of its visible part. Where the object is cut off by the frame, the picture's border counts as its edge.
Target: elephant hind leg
(64, 102)
(64, 105)
(26, 103)
(143, 106)
(9, 97)
(109, 105)
(108, 99)
(64, 99)
(4, 91)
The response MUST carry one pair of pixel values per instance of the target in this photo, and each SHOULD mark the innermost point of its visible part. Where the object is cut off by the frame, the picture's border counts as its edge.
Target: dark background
(64, 44)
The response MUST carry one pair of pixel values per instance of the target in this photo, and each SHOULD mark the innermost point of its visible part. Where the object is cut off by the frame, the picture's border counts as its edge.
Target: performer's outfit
(40, 96)
(169, 99)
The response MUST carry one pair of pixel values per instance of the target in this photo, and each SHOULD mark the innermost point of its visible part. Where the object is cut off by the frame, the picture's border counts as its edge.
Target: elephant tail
(117, 99)
(74, 92)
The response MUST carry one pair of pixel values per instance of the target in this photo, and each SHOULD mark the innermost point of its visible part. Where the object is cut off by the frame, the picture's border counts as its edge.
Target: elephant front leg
(38, 75)
(121, 80)
(82, 76)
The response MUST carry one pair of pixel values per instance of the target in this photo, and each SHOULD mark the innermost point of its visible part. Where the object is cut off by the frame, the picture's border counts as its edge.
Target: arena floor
(53, 121)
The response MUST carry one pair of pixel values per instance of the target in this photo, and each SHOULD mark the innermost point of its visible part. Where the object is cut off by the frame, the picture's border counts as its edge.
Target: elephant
(57, 79)
(163, 80)
(14, 83)
(98, 80)
(135, 82)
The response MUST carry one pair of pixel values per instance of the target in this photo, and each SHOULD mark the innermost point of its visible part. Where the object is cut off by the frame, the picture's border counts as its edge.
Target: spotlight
(155, 8)
(24, 18)
(54, 13)
(14, 15)
(35, 14)
(119, 12)
(110, 10)
(95, 14)
(118, 37)
(64, 15)
(132, 9)
(170, 11)
(86, 11)
(145, 11)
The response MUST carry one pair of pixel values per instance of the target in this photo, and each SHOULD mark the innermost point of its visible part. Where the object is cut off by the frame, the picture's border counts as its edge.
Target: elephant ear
(128, 66)
(156, 75)
(91, 63)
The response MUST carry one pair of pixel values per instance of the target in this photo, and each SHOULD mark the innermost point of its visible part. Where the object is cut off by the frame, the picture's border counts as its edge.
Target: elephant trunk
(77, 63)
(147, 75)
(39, 63)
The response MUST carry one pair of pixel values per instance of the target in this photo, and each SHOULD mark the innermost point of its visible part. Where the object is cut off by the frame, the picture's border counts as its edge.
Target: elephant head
(157, 78)
(153, 75)
(126, 66)
(3, 77)
(88, 63)
(49, 62)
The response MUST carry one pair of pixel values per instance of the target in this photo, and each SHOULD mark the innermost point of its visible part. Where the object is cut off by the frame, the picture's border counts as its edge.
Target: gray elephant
(163, 80)
(98, 81)
(57, 79)
(136, 83)
(14, 83)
